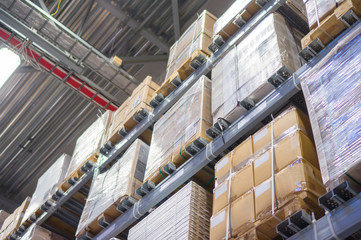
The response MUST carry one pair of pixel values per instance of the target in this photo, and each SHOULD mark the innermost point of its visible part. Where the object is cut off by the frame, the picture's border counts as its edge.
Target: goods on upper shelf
(111, 188)
(39, 233)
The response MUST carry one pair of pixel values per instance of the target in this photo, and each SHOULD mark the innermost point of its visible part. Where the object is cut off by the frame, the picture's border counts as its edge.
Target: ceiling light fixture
(9, 62)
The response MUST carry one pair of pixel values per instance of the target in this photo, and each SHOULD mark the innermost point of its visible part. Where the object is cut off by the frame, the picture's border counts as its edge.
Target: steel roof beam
(175, 12)
(132, 23)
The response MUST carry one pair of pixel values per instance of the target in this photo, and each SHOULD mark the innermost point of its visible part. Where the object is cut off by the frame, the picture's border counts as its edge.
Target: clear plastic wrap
(242, 75)
(332, 90)
(317, 10)
(188, 119)
(89, 143)
(225, 27)
(13, 221)
(196, 37)
(48, 184)
(110, 187)
(3, 216)
(185, 215)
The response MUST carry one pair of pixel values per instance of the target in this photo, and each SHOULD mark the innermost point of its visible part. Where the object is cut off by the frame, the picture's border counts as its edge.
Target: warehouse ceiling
(41, 117)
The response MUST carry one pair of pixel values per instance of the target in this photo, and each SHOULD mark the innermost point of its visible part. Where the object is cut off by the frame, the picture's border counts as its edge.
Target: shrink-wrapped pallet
(3, 216)
(185, 215)
(241, 11)
(89, 143)
(47, 185)
(241, 78)
(123, 118)
(111, 187)
(186, 121)
(13, 221)
(317, 10)
(332, 91)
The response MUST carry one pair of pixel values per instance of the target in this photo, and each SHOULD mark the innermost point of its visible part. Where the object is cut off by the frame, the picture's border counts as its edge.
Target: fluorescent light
(9, 62)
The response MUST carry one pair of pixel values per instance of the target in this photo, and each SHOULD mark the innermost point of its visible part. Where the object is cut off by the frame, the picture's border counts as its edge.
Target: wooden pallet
(342, 17)
(132, 119)
(109, 215)
(78, 173)
(179, 75)
(266, 223)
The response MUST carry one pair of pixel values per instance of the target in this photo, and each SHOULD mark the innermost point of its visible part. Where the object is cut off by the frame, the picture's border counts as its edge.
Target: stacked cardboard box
(240, 78)
(13, 221)
(3, 216)
(88, 144)
(241, 11)
(244, 176)
(332, 90)
(47, 185)
(38, 233)
(123, 119)
(193, 42)
(185, 122)
(185, 215)
(317, 10)
(111, 187)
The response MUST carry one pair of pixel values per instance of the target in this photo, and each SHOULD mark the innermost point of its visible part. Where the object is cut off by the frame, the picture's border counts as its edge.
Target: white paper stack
(185, 215)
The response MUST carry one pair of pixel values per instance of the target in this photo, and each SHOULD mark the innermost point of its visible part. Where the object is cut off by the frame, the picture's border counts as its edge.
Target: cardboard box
(243, 213)
(221, 196)
(292, 118)
(111, 187)
(242, 181)
(219, 222)
(293, 146)
(236, 160)
(317, 10)
(13, 221)
(299, 176)
(39, 233)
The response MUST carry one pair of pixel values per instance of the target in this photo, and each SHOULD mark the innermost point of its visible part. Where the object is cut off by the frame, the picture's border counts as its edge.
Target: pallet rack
(347, 214)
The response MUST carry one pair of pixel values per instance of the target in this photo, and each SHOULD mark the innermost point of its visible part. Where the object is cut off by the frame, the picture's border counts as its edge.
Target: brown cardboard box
(220, 196)
(12, 222)
(222, 168)
(219, 224)
(298, 177)
(242, 181)
(242, 153)
(291, 118)
(262, 166)
(237, 159)
(39, 233)
(242, 213)
(294, 145)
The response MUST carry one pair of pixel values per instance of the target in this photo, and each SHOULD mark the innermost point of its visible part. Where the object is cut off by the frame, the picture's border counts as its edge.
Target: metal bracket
(142, 114)
(280, 76)
(312, 50)
(216, 44)
(145, 188)
(176, 82)
(239, 21)
(157, 100)
(215, 130)
(349, 18)
(261, 3)
(294, 224)
(336, 197)
(126, 204)
(196, 146)
(198, 61)
(248, 103)
(169, 168)
(106, 148)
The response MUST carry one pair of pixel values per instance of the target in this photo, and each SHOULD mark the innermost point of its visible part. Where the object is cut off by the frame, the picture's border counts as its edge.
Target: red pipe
(60, 73)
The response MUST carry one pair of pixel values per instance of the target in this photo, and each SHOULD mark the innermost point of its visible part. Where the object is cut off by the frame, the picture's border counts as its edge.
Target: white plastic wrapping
(333, 95)
(188, 119)
(317, 10)
(48, 184)
(185, 215)
(121, 180)
(89, 143)
(242, 75)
